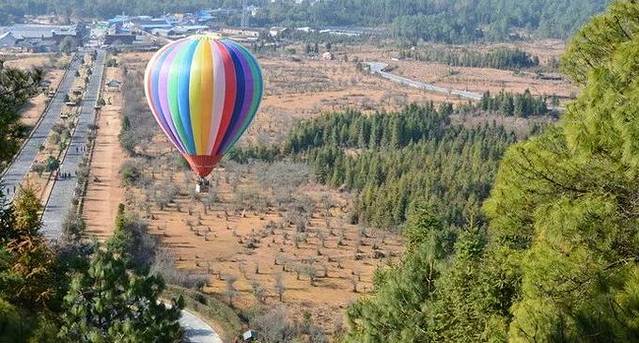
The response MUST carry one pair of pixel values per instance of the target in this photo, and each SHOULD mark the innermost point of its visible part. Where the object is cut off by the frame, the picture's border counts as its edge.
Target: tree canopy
(16, 87)
(557, 258)
(75, 292)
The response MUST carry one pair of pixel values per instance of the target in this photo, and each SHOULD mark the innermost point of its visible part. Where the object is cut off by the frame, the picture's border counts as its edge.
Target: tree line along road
(22, 162)
(60, 199)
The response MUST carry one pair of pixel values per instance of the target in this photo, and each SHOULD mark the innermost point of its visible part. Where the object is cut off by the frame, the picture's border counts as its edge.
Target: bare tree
(311, 271)
(258, 291)
(279, 285)
(327, 204)
(274, 326)
(230, 290)
(322, 238)
(210, 198)
(354, 283)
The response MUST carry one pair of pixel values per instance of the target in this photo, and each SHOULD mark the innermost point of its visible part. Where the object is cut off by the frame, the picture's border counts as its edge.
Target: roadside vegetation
(16, 87)
(76, 290)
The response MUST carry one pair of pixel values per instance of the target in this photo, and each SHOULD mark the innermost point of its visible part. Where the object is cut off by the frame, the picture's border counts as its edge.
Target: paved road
(59, 201)
(378, 68)
(196, 330)
(21, 165)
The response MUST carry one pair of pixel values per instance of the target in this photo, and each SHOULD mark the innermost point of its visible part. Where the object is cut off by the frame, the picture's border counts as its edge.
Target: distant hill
(437, 20)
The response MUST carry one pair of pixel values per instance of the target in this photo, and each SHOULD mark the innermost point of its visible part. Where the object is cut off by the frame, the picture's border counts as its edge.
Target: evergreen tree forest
(501, 58)
(556, 258)
(519, 105)
(391, 159)
(75, 290)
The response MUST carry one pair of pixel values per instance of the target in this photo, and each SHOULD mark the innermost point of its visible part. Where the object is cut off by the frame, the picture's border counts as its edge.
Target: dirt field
(231, 240)
(483, 79)
(301, 87)
(309, 87)
(256, 245)
(478, 79)
(105, 191)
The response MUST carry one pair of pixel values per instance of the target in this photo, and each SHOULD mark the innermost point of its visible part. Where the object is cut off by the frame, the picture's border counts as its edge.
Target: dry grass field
(246, 241)
(479, 79)
(245, 236)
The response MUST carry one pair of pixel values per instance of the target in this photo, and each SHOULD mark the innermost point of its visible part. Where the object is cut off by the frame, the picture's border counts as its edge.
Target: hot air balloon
(204, 93)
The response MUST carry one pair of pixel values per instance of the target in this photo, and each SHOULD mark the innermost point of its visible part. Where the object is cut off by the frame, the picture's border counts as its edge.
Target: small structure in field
(249, 336)
(113, 85)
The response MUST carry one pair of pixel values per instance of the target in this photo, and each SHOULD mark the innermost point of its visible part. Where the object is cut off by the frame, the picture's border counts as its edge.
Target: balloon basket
(202, 185)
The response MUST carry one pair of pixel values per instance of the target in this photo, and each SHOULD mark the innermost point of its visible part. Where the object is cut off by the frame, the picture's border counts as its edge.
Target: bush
(131, 173)
(73, 225)
(52, 164)
(165, 266)
(38, 168)
(10, 320)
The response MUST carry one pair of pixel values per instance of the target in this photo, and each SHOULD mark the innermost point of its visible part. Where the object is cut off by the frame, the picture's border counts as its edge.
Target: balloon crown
(204, 93)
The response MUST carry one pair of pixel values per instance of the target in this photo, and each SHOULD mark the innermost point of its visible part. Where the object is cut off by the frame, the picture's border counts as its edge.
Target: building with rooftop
(38, 37)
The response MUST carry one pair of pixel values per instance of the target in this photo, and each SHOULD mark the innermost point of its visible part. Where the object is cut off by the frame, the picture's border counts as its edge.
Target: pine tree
(110, 304)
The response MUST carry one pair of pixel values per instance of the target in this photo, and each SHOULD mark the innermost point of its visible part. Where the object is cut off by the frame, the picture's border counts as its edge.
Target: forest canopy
(556, 260)
(412, 20)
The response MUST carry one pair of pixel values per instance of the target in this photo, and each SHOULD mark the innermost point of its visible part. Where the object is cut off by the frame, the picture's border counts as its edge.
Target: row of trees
(391, 159)
(76, 291)
(138, 125)
(557, 260)
(501, 58)
(519, 105)
(16, 87)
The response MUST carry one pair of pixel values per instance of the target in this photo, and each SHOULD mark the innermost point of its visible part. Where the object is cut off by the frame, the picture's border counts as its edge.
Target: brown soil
(105, 191)
(217, 242)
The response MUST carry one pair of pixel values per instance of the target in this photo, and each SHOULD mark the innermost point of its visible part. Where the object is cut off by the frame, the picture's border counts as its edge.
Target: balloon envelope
(203, 92)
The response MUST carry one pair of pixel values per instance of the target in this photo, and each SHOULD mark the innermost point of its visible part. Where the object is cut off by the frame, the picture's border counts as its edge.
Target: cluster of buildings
(39, 37)
(144, 32)
(141, 31)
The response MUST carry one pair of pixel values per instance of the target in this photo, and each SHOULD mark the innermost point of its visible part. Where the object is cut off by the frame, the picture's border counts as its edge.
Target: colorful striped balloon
(204, 92)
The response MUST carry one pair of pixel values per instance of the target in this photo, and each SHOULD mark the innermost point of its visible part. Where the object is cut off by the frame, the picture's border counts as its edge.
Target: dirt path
(105, 191)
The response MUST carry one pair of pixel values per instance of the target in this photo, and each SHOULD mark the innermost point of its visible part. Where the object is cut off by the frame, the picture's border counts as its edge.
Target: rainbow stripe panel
(204, 93)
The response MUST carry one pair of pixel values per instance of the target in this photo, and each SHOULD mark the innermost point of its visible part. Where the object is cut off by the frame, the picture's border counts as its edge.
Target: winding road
(196, 330)
(378, 68)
